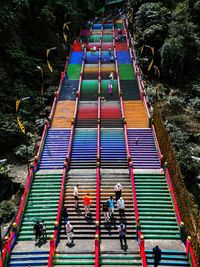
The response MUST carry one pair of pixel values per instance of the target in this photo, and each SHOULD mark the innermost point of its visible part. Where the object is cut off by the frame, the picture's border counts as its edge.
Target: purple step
(55, 149)
(142, 149)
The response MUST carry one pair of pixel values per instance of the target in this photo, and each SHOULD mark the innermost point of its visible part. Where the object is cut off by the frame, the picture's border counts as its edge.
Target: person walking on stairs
(65, 215)
(121, 207)
(76, 195)
(110, 91)
(111, 76)
(87, 204)
(105, 212)
(118, 191)
(111, 206)
(44, 229)
(37, 231)
(122, 235)
(157, 255)
(69, 233)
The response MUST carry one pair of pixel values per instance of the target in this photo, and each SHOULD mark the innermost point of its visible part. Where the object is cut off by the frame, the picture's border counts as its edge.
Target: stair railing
(54, 237)
(140, 237)
(190, 253)
(97, 232)
(157, 144)
(189, 248)
(178, 216)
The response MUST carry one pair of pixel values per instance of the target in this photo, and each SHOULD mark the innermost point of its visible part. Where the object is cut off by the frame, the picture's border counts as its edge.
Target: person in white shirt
(76, 195)
(118, 191)
(69, 233)
(94, 48)
(121, 207)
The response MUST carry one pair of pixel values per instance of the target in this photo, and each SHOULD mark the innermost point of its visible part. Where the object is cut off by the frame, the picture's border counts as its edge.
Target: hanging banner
(48, 63)
(65, 27)
(150, 65)
(152, 50)
(142, 48)
(17, 104)
(21, 126)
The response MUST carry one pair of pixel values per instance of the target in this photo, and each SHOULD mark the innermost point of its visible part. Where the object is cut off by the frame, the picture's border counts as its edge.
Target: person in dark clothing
(38, 231)
(122, 235)
(65, 215)
(157, 255)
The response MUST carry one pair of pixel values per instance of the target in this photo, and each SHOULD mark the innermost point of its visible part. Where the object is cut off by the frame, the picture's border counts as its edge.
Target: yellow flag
(17, 104)
(21, 126)
(150, 65)
(49, 65)
(158, 73)
(65, 27)
(142, 49)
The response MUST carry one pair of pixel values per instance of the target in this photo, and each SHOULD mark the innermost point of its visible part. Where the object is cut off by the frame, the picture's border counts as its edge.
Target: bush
(7, 210)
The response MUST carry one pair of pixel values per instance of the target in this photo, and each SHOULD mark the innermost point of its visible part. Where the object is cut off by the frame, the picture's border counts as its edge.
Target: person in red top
(87, 204)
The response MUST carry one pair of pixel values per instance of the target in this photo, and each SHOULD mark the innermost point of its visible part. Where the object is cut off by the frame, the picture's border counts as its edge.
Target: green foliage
(7, 210)
(176, 103)
(152, 20)
(180, 52)
(4, 171)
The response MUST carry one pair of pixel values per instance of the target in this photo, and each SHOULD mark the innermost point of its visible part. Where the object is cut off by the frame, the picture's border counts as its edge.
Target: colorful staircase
(157, 216)
(42, 204)
(55, 149)
(87, 114)
(63, 114)
(113, 149)
(142, 149)
(84, 149)
(135, 113)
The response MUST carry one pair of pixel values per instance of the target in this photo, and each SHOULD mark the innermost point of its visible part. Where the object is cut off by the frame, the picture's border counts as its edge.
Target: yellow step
(135, 113)
(63, 114)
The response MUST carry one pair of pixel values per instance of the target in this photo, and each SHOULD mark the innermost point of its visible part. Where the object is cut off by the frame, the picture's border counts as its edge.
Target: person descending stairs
(82, 252)
(111, 253)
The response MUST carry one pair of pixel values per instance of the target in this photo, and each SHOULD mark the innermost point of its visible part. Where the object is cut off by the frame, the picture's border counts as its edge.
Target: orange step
(63, 114)
(135, 113)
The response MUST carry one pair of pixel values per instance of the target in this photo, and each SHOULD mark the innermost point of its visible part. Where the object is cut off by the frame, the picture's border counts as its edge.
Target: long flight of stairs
(113, 150)
(55, 149)
(158, 220)
(109, 178)
(84, 149)
(42, 204)
(142, 149)
(84, 228)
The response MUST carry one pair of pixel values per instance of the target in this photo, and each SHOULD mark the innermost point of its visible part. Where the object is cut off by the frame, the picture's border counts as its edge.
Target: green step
(175, 227)
(158, 218)
(39, 205)
(42, 209)
(39, 214)
(73, 71)
(126, 72)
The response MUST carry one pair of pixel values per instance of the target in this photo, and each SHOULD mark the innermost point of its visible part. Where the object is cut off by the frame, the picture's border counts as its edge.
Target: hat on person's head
(121, 198)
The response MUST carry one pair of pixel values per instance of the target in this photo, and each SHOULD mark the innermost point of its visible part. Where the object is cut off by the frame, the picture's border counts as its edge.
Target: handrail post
(188, 245)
